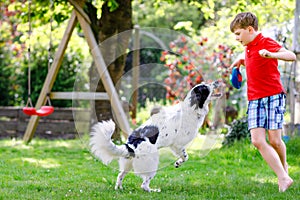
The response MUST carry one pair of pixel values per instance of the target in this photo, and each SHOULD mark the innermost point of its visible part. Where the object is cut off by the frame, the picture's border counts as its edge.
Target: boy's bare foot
(284, 184)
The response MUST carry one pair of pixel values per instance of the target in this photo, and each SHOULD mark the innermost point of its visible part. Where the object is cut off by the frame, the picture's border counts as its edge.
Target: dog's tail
(102, 146)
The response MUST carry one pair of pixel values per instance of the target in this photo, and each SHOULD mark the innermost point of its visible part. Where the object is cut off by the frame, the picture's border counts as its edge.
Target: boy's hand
(265, 53)
(282, 54)
(237, 63)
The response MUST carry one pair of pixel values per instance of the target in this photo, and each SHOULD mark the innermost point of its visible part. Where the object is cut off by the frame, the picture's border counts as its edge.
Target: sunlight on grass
(58, 143)
(263, 180)
(16, 143)
(44, 163)
(19, 144)
(203, 144)
(294, 169)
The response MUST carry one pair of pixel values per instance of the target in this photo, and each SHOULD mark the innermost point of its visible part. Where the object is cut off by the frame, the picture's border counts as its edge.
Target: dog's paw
(155, 190)
(145, 188)
(178, 163)
(118, 187)
(148, 189)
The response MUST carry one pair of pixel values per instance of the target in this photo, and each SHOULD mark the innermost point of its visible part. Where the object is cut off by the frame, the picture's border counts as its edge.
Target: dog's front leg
(183, 157)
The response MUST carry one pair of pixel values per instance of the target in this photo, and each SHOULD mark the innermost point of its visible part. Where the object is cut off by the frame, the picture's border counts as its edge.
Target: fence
(60, 124)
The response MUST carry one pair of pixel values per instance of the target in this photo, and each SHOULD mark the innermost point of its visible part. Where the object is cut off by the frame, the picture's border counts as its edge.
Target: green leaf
(113, 5)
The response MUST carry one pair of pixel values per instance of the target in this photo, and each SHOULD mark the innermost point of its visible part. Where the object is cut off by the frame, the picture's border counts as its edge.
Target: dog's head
(201, 94)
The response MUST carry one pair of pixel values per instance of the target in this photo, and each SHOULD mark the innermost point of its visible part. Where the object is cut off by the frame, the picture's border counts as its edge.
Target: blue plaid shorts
(266, 112)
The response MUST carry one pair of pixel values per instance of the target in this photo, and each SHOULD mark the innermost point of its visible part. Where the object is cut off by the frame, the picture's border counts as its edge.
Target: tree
(167, 13)
(113, 21)
(296, 90)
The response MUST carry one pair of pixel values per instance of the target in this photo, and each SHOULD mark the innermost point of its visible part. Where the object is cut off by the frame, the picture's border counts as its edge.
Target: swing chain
(44, 110)
(29, 102)
(29, 52)
(50, 59)
(48, 99)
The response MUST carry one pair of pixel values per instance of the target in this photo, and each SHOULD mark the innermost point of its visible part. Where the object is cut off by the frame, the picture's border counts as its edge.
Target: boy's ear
(250, 29)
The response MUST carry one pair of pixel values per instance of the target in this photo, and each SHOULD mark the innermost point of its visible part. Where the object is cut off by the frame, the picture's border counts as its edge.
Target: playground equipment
(29, 109)
(78, 15)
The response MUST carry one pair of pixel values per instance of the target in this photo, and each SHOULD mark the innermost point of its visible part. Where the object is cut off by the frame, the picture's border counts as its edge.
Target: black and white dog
(174, 127)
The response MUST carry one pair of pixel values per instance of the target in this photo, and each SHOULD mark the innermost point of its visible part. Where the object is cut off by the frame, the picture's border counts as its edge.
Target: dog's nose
(216, 84)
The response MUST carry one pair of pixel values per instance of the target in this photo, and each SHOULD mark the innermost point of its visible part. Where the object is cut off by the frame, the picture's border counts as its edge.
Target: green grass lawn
(66, 170)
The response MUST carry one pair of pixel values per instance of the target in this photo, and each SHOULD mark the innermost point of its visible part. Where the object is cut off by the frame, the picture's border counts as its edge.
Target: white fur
(178, 125)
(102, 146)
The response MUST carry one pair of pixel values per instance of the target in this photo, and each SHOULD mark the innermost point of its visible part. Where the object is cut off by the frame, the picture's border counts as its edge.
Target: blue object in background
(236, 78)
(286, 138)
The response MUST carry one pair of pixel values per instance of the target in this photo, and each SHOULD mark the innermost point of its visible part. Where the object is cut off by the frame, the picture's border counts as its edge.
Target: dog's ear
(199, 95)
(151, 132)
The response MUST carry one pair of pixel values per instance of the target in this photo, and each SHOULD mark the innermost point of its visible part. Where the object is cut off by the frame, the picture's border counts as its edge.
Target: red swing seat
(29, 111)
(45, 111)
(42, 112)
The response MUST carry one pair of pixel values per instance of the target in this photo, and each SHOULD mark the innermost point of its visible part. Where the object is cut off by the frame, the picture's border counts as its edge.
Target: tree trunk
(113, 46)
(296, 48)
(295, 84)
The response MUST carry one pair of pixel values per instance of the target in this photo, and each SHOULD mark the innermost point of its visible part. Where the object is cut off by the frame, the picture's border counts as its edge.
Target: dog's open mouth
(216, 93)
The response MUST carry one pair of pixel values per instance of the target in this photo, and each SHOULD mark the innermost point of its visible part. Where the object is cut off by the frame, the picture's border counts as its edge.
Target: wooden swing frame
(78, 15)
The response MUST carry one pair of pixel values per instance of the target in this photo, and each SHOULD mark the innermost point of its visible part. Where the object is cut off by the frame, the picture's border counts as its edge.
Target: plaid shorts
(266, 112)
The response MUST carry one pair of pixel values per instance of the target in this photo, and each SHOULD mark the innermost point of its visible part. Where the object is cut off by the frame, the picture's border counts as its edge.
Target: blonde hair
(243, 20)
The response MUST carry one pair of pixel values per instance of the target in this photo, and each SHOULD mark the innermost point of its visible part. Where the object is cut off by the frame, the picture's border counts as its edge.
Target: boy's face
(244, 35)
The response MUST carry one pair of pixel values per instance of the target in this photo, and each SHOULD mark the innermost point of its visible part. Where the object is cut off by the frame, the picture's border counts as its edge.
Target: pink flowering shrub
(190, 63)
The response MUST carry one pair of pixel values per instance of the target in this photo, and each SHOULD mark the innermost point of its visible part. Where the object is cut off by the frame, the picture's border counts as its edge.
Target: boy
(266, 95)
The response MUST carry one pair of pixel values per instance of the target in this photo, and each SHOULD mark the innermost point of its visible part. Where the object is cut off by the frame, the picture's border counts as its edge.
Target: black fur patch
(151, 132)
(199, 96)
(139, 135)
(130, 150)
(135, 139)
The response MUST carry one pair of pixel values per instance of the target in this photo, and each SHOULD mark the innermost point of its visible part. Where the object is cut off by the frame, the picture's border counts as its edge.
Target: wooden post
(78, 7)
(105, 76)
(135, 69)
(51, 76)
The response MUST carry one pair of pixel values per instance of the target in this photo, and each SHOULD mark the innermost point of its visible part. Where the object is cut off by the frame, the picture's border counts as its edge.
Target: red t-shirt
(263, 76)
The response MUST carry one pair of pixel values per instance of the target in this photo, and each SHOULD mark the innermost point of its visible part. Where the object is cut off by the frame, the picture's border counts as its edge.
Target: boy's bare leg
(258, 137)
(279, 146)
